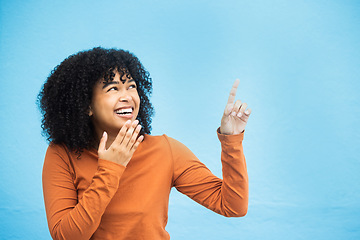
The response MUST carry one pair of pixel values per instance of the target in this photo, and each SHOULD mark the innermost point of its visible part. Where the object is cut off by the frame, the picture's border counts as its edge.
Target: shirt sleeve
(227, 196)
(69, 217)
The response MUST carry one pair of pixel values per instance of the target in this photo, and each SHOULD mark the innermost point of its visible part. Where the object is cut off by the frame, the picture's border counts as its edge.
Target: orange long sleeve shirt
(91, 198)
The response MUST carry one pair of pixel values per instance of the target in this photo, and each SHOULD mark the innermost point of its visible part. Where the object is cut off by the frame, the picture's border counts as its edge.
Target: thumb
(103, 140)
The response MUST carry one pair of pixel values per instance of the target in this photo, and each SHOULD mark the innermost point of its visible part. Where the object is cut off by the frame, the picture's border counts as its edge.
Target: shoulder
(161, 140)
(168, 144)
(59, 153)
(56, 149)
(61, 149)
(56, 161)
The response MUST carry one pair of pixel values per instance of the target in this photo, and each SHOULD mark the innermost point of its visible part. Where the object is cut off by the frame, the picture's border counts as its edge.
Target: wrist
(223, 132)
(230, 137)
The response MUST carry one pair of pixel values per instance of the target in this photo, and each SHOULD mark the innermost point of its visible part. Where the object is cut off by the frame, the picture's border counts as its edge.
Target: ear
(90, 111)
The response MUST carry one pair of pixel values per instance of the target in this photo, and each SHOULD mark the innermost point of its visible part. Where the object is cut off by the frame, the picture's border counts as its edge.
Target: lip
(129, 116)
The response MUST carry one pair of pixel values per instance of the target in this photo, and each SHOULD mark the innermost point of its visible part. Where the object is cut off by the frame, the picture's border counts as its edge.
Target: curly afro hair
(65, 97)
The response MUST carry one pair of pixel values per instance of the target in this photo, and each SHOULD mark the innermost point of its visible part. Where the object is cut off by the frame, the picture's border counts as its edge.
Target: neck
(110, 139)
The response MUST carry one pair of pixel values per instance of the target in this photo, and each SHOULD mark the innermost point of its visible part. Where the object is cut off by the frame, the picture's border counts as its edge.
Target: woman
(104, 176)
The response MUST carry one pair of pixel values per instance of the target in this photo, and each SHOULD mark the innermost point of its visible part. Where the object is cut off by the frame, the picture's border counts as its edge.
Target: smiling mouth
(124, 112)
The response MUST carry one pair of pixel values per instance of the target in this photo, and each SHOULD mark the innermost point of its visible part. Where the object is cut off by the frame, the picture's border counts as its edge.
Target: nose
(124, 97)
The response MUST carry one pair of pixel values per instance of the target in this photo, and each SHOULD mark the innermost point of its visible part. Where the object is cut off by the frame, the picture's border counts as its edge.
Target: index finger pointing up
(233, 92)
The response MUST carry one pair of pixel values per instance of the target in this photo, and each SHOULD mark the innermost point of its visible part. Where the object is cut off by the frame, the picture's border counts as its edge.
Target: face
(114, 103)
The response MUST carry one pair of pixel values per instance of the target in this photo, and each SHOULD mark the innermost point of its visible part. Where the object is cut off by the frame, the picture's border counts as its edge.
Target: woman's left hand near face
(236, 115)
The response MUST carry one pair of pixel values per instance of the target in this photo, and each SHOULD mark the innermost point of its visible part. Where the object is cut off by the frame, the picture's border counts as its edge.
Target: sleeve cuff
(230, 138)
(102, 163)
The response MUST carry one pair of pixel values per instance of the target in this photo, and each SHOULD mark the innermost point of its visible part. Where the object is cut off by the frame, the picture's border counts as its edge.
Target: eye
(132, 86)
(111, 89)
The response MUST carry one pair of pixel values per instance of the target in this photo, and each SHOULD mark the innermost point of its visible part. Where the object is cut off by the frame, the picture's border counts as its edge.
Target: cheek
(101, 107)
(137, 103)
(136, 99)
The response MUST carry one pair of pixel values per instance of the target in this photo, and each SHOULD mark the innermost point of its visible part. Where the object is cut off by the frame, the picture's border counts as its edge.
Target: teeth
(124, 110)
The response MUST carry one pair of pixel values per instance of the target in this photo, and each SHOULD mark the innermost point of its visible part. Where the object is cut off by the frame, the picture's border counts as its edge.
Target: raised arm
(227, 196)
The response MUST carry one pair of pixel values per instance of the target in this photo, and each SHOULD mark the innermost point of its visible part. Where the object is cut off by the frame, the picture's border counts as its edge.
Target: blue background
(299, 66)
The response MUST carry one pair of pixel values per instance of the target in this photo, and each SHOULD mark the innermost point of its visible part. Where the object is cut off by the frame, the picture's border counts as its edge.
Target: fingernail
(239, 114)
(247, 112)
(233, 114)
(104, 134)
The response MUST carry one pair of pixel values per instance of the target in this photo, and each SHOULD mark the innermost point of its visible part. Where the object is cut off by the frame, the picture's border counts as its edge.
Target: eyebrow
(116, 82)
(109, 83)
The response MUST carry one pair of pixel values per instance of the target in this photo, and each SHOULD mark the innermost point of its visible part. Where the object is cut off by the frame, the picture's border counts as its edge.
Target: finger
(233, 92)
(244, 115)
(236, 108)
(242, 109)
(248, 112)
(121, 135)
(134, 136)
(129, 132)
(136, 144)
(228, 109)
(102, 144)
